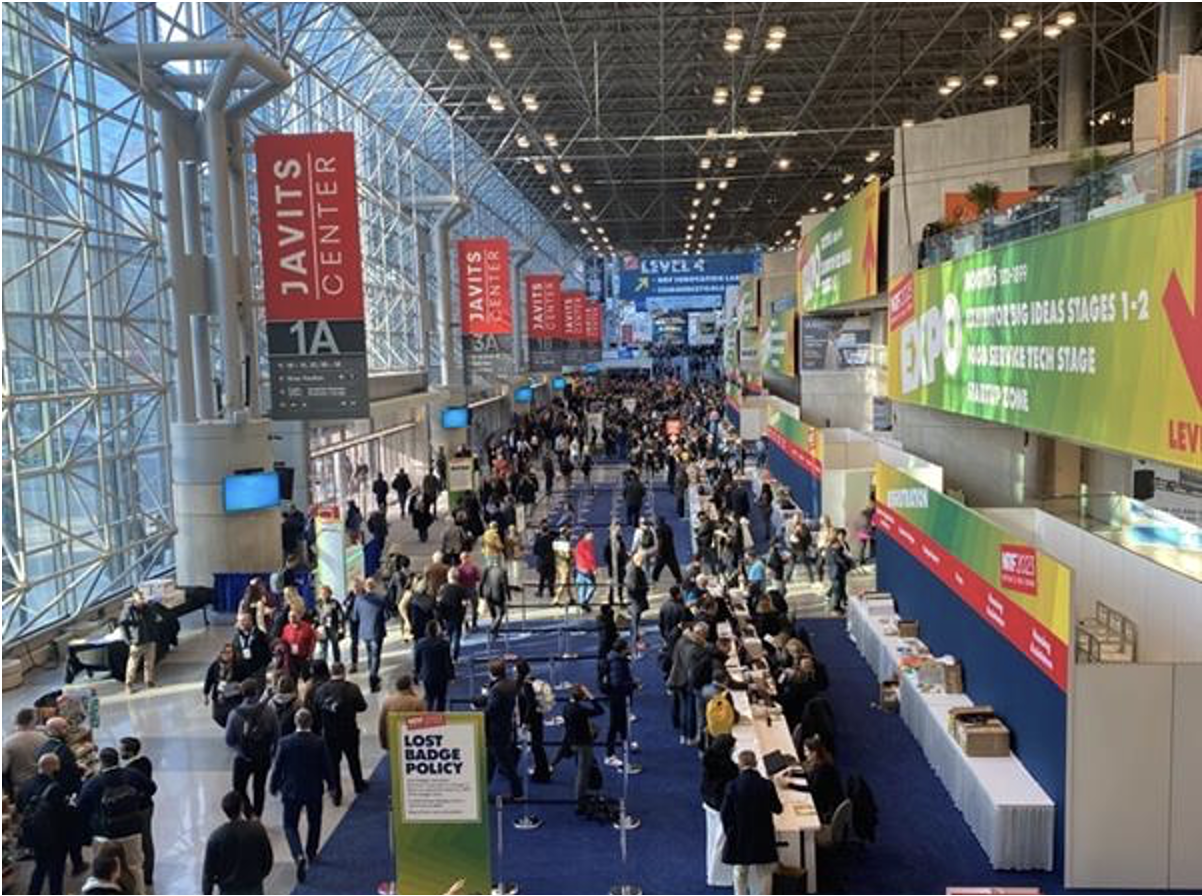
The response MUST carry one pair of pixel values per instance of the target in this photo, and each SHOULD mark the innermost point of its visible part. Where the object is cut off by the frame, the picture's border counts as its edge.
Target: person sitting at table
(747, 809)
(823, 778)
(767, 621)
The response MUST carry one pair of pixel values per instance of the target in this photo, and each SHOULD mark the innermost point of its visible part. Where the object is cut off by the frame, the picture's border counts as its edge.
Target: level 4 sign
(679, 282)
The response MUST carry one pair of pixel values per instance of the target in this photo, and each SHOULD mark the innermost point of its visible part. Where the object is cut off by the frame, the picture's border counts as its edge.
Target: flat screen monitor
(523, 395)
(456, 418)
(558, 383)
(243, 492)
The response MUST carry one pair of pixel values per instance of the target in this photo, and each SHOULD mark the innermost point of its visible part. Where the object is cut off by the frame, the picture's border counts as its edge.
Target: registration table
(765, 731)
(1009, 813)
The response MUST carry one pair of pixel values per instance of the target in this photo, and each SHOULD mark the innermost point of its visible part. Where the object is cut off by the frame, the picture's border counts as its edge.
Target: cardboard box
(979, 732)
(907, 628)
(946, 675)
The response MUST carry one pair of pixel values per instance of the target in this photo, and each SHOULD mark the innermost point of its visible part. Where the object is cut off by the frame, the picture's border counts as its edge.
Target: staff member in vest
(112, 805)
(302, 772)
(751, 801)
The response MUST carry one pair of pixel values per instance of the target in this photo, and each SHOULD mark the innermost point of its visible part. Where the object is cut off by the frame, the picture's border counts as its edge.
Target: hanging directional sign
(312, 276)
(682, 282)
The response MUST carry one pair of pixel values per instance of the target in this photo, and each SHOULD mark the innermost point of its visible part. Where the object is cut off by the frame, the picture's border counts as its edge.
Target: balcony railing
(1129, 183)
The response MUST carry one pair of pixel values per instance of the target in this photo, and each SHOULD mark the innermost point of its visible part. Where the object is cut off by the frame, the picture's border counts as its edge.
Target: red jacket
(586, 556)
(301, 639)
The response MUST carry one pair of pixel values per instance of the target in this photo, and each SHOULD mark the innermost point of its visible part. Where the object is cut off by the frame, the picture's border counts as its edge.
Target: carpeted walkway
(923, 844)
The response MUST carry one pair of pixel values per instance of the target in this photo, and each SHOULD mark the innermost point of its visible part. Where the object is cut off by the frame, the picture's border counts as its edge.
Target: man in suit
(433, 666)
(368, 617)
(302, 772)
(747, 811)
(500, 707)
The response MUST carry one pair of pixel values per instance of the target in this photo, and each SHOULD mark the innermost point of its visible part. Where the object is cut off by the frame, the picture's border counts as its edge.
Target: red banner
(573, 316)
(592, 323)
(543, 306)
(309, 227)
(485, 303)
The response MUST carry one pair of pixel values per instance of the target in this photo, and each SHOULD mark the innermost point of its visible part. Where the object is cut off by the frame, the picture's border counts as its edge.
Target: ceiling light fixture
(784, 163)
(717, 200)
(530, 102)
(731, 161)
(496, 103)
(565, 166)
(711, 215)
(551, 140)
(567, 206)
(741, 132)
(504, 55)
(696, 201)
(846, 197)
(524, 142)
(1008, 33)
(692, 216)
(587, 206)
(705, 163)
(828, 196)
(461, 56)
(456, 44)
(1052, 31)
(731, 48)
(872, 156)
(908, 122)
(813, 210)
(734, 35)
(496, 42)
(990, 80)
(772, 46)
(699, 186)
(577, 189)
(944, 90)
(848, 177)
(708, 227)
(540, 167)
(723, 184)
(1020, 21)
(555, 190)
(955, 82)
(575, 219)
(1066, 19)
(777, 33)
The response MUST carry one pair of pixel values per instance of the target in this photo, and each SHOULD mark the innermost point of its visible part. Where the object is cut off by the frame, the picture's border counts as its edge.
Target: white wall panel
(1185, 844)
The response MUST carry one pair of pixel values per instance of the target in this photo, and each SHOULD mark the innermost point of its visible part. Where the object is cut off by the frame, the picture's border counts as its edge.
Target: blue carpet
(923, 844)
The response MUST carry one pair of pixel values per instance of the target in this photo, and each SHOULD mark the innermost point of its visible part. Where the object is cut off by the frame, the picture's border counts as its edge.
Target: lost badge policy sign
(312, 275)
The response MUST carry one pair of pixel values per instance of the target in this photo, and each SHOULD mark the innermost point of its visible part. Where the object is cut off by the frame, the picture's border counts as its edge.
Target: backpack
(256, 736)
(37, 821)
(863, 808)
(120, 811)
(720, 715)
(544, 695)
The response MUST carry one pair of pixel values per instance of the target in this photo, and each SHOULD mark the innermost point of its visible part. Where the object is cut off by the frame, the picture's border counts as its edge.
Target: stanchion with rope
(527, 821)
(628, 745)
(500, 887)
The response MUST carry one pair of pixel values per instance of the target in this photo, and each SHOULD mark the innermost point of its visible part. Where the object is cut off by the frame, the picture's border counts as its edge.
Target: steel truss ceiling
(612, 80)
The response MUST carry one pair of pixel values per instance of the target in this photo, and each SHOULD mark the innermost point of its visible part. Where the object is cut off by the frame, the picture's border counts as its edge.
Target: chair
(838, 832)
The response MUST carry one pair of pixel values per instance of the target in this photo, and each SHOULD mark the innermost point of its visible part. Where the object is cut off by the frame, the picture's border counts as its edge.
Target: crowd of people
(280, 687)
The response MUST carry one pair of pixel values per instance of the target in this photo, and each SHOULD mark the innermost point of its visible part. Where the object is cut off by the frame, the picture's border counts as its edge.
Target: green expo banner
(837, 261)
(1092, 333)
(778, 349)
(440, 827)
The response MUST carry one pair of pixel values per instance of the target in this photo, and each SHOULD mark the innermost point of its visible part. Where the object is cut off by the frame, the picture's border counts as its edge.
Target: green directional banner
(1092, 333)
(837, 261)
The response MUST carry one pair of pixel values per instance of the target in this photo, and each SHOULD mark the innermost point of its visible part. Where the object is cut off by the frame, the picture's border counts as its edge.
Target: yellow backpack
(720, 715)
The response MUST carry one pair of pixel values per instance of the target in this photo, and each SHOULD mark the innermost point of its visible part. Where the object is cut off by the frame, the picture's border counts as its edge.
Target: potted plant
(984, 196)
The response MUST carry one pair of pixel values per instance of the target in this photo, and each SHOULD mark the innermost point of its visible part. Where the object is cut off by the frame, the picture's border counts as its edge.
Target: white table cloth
(1009, 813)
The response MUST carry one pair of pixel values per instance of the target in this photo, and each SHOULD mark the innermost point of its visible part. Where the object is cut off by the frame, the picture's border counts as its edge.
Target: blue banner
(682, 282)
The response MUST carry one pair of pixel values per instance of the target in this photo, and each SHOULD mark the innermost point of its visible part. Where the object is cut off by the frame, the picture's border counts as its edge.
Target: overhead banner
(682, 282)
(544, 310)
(312, 275)
(486, 309)
(572, 332)
(837, 262)
(800, 442)
(1092, 333)
(1021, 592)
(592, 330)
(440, 799)
(780, 350)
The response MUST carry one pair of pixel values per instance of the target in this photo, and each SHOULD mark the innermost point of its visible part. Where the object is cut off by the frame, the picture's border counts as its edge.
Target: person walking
(494, 588)
(300, 777)
(404, 698)
(544, 559)
(21, 751)
(113, 804)
(434, 666)
(665, 551)
(530, 716)
(46, 824)
(379, 488)
(331, 621)
(838, 564)
(238, 855)
(633, 493)
(579, 735)
(636, 594)
(619, 687)
(131, 754)
(252, 730)
(452, 610)
(500, 710)
(747, 809)
(340, 701)
(138, 626)
(586, 571)
(402, 486)
(368, 618)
